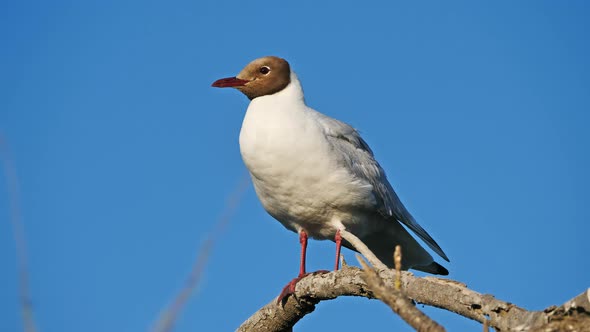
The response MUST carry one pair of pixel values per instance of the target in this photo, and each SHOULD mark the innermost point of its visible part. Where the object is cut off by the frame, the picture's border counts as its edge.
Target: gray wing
(358, 157)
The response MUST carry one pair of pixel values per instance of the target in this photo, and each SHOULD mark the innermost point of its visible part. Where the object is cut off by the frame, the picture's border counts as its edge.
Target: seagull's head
(261, 77)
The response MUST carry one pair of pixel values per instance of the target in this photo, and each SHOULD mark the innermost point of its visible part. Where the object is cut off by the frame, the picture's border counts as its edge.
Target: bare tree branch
(437, 292)
(19, 236)
(441, 293)
(397, 301)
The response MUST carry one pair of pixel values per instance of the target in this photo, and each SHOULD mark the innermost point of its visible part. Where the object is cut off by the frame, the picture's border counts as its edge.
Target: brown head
(261, 77)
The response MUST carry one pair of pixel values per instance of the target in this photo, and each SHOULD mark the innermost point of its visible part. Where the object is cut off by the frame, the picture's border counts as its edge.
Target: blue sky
(125, 155)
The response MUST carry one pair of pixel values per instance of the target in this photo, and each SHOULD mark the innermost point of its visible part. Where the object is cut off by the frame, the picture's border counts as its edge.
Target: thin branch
(363, 249)
(169, 316)
(19, 236)
(397, 301)
(397, 259)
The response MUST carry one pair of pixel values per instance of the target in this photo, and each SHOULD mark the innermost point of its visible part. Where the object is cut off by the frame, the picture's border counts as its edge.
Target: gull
(317, 176)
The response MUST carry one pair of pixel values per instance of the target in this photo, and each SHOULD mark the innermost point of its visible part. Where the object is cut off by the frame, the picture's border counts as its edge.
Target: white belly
(297, 182)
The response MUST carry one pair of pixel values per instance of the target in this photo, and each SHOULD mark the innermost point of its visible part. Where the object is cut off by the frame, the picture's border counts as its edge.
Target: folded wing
(357, 156)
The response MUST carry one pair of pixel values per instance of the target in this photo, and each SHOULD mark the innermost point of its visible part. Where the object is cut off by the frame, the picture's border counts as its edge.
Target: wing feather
(358, 157)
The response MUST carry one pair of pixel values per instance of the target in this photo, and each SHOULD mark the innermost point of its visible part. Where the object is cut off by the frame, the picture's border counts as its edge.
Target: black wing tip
(423, 235)
(433, 268)
(434, 246)
(444, 256)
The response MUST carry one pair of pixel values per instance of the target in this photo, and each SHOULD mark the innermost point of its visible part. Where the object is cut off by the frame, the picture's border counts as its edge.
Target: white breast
(288, 157)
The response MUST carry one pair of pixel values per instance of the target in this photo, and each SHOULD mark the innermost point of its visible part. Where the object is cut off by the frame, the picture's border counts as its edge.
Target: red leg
(338, 240)
(290, 288)
(303, 241)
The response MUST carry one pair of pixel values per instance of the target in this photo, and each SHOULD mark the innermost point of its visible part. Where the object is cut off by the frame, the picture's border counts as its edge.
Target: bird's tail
(414, 256)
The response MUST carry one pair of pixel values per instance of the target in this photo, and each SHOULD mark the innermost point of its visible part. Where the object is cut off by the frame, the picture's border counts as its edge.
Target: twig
(19, 236)
(397, 259)
(397, 301)
(363, 249)
(168, 317)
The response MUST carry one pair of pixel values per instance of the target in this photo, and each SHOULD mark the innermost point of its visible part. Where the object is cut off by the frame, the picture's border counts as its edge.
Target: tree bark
(446, 294)
(398, 301)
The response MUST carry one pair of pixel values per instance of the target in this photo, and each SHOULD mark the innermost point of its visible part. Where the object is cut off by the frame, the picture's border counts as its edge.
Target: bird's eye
(264, 70)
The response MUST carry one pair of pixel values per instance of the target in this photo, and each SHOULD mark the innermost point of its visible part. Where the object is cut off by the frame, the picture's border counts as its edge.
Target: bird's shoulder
(336, 129)
(354, 154)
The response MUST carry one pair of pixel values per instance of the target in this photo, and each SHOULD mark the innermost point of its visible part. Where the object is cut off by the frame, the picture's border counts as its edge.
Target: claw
(289, 289)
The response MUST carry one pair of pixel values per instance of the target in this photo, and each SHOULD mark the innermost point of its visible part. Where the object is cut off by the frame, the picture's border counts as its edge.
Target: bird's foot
(289, 289)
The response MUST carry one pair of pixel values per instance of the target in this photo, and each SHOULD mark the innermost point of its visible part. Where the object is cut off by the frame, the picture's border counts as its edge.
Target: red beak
(229, 82)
